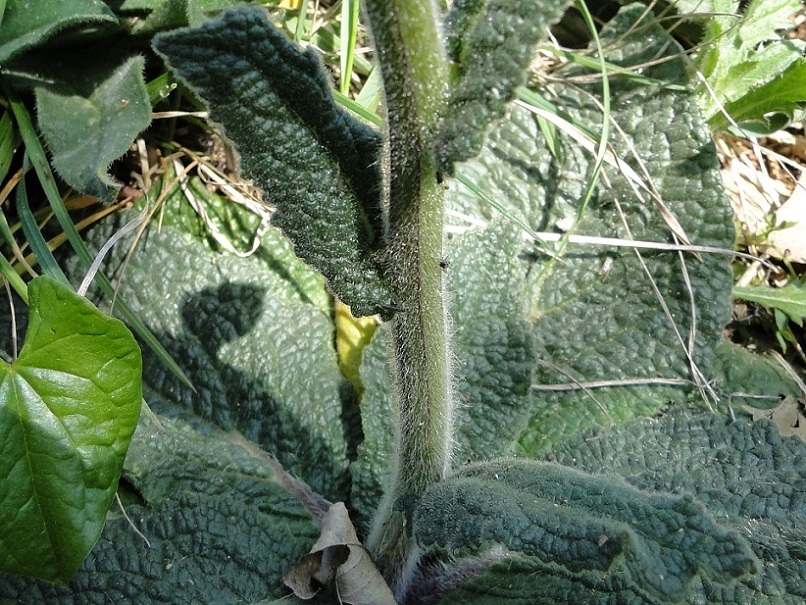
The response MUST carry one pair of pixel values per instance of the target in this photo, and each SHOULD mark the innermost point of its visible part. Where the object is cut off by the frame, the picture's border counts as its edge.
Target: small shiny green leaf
(68, 407)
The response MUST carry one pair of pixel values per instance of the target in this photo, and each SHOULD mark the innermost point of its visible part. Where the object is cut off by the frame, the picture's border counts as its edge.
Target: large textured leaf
(255, 337)
(28, 24)
(747, 476)
(208, 523)
(90, 117)
(492, 339)
(68, 407)
(593, 526)
(319, 167)
(594, 312)
(492, 43)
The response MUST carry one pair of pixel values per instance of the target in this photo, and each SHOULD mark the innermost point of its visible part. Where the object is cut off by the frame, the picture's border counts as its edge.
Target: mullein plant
(378, 238)
(491, 344)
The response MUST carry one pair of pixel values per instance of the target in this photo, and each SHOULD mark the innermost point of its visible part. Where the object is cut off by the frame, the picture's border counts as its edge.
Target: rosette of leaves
(602, 523)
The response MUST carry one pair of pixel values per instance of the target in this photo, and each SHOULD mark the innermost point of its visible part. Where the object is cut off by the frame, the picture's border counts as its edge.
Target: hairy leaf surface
(319, 166)
(597, 526)
(90, 117)
(28, 24)
(594, 311)
(68, 407)
(746, 476)
(206, 523)
(255, 338)
(492, 43)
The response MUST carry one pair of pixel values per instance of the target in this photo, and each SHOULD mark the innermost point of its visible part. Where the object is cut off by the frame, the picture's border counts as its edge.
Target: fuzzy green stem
(415, 75)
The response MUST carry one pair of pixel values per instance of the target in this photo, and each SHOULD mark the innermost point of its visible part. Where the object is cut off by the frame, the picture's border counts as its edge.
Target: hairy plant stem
(415, 76)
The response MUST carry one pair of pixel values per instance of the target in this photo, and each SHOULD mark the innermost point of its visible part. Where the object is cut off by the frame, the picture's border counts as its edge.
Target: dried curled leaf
(339, 565)
(788, 416)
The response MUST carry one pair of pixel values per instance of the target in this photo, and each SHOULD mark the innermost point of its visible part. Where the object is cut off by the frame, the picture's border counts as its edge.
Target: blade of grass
(5, 229)
(370, 95)
(349, 34)
(39, 160)
(302, 13)
(544, 247)
(6, 144)
(34, 236)
(13, 278)
(359, 110)
(612, 68)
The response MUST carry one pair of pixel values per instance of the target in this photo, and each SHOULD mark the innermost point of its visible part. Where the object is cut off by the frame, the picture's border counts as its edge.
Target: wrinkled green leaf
(593, 526)
(68, 407)
(90, 118)
(219, 527)
(492, 339)
(593, 310)
(253, 336)
(161, 15)
(27, 24)
(746, 378)
(492, 43)
(319, 166)
(746, 476)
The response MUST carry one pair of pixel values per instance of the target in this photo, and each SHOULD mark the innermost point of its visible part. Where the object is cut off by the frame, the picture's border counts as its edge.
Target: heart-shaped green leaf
(68, 407)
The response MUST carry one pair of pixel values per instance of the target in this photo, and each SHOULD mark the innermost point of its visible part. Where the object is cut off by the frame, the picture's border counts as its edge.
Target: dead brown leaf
(789, 416)
(339, 567)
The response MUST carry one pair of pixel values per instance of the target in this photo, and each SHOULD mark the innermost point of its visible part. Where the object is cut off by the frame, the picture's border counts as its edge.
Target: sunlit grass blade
(358, 109)
(612, 69)
(39, 161)
(370, 95)
(550, 131)
(504, 212)
(349, 34)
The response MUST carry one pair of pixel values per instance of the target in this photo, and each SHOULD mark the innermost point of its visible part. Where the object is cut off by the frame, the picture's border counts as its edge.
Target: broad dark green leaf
(68, 407)
(90, 116)
(319, 166)
(492, 43)
(27, 24)
(593, 526)
(493, 340)
(255, 337)
(746, 476)
(593, 310)
(215, 526)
